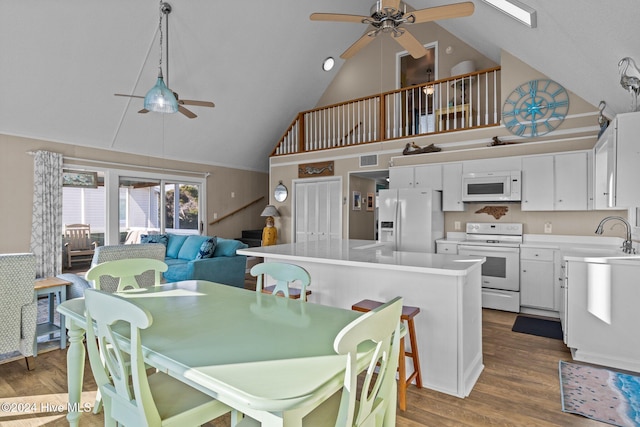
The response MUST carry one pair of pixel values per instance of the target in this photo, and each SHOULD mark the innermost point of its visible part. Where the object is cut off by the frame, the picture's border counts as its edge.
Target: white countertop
(374, 254)
(595, 249)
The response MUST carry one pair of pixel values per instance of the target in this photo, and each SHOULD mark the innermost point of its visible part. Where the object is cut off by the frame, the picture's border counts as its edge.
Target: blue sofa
(202, 257)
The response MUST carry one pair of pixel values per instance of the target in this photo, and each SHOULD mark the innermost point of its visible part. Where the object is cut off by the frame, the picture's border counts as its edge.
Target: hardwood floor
(518, 387)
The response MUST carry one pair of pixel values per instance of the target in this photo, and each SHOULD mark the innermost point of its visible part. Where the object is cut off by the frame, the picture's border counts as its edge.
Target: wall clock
(535, 108)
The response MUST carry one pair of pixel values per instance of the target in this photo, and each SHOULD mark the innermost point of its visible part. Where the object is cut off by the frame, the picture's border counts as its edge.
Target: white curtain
(46, 227)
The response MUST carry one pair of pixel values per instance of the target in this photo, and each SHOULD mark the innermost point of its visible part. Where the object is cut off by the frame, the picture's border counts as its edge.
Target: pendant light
(160, 98)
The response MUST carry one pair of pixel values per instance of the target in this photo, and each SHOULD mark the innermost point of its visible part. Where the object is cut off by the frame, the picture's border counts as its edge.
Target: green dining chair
(376, 404)
(284, 274)
(126, 271)
(130, 397)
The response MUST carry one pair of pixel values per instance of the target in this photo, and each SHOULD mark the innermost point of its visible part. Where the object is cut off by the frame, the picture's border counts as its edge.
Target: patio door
(151, 206)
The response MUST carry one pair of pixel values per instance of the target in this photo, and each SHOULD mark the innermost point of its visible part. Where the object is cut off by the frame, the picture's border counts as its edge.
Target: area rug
(540, 327)
(600, 394)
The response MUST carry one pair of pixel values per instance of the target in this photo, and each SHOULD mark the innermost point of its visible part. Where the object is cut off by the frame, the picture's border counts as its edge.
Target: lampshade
(270, 210)
(160, 98)
(464, 67)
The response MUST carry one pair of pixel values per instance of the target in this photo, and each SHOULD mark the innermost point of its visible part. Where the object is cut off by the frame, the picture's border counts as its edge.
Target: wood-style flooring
(518, 387)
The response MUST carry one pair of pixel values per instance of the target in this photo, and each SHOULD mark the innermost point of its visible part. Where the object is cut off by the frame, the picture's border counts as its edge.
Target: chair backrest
(18, 307)
(78, 236)
(377, 401)
(284, 274)
(111, 366)
(125, 270)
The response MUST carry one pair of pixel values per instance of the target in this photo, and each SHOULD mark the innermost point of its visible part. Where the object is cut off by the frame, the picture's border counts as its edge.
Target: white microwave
(491, 186)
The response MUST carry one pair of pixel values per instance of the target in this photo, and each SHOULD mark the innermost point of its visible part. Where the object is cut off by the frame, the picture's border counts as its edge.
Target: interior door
(318, 213)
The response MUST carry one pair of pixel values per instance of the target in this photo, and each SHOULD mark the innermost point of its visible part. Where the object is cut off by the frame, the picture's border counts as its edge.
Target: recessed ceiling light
(519, 11)
(328, 64)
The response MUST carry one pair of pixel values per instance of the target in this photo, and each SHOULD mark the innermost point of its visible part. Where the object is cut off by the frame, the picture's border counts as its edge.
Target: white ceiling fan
(165, 9)
(389, 16)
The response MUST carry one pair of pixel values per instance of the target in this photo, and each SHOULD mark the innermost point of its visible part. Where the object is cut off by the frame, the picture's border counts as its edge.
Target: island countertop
(375, 255)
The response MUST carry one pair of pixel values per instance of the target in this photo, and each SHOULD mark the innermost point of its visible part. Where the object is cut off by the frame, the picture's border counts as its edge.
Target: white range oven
(499, 244)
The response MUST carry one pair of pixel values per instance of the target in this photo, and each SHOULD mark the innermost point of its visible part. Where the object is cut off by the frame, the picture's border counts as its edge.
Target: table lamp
(269, 232)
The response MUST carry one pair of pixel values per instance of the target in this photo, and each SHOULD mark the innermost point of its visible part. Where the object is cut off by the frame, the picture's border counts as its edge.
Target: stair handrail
(236, 211)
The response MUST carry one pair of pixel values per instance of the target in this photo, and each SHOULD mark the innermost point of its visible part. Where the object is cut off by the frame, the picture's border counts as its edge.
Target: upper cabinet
(452, 187)
(616, 158)
(422, 176)
(555, 182)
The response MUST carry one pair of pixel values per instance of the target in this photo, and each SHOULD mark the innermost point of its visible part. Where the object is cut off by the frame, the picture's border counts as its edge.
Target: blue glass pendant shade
(160, 98)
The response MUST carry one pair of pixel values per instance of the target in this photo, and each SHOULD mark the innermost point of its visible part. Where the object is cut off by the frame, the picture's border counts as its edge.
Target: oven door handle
(480, 249)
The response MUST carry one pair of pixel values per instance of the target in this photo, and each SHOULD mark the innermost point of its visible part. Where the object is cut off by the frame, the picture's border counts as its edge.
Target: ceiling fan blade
(186, 112)
(143, 111)
(359, 44)
(392, 4)
(409, 42)
(196, 103)
(457, 10)
(129, 96)
(337, 17)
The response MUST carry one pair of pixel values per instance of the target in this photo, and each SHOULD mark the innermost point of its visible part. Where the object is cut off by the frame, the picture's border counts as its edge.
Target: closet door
(318, 214)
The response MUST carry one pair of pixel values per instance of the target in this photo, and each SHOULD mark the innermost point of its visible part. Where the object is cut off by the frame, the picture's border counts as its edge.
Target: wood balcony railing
(461, 102)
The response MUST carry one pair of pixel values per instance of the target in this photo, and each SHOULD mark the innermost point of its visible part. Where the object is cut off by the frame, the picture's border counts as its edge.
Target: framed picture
(357, 201)
(370, 198)
(82, 179)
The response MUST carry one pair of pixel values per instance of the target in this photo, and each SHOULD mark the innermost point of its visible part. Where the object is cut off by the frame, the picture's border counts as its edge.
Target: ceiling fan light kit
(160, 98)
(387, 16)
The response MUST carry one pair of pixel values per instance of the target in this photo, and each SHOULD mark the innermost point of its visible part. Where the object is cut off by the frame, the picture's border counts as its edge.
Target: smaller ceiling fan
(162, 90)
(388, 16)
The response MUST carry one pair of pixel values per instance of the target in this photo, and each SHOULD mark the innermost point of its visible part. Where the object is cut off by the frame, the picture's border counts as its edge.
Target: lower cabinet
(537, 278)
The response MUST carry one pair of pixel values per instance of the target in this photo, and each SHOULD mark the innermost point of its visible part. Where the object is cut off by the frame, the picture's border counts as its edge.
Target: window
(146, 203)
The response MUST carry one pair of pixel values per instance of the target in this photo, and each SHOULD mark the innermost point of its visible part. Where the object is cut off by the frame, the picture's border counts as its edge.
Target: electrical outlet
(547, 227)
(456, 225)
(233, 194)
(215, 215)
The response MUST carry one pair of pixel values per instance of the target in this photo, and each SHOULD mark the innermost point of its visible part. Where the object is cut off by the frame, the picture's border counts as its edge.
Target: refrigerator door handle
(397, 226)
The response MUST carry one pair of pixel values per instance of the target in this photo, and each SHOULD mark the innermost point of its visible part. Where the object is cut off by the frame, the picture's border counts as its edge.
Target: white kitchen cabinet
(422, 176)
(452, 187)
(428, 176)
(401, 177)
(617, 155)
(555, 182)
(450, 248)
(538, 283)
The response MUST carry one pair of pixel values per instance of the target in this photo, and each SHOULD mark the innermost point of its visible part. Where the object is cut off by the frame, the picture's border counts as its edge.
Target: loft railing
(462, 102)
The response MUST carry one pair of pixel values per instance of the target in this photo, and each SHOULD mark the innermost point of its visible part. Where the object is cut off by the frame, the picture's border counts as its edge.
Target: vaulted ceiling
(259, 61)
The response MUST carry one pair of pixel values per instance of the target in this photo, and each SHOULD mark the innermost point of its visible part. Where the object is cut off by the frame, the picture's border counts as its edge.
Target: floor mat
(540, 327)
(601, 394)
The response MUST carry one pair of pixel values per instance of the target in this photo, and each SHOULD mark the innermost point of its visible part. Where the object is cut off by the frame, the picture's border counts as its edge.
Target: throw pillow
(207, 248)
(154, 238)
(228, 247)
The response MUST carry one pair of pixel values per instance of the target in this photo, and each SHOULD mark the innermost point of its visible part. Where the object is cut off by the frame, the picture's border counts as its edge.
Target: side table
(52, 287)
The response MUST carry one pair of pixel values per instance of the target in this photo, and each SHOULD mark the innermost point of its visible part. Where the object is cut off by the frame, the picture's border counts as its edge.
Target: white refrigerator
(410, 219)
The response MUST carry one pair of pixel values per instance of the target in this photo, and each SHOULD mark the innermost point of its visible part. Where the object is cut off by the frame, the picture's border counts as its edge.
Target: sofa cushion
(191, 247)
(227, 247)
(207, 248)
(174, 245)
(154, 238)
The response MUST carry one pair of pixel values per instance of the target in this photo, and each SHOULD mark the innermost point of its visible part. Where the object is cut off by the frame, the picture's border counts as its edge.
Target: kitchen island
(600, 310)
(446, 288)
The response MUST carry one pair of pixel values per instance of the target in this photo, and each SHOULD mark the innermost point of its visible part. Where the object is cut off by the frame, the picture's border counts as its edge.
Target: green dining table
(266, 356)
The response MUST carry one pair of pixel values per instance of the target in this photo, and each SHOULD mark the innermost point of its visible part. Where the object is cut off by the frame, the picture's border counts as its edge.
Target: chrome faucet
(627, 245)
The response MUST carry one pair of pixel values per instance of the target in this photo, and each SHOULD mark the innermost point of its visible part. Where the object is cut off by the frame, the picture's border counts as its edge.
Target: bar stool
(408, 313)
